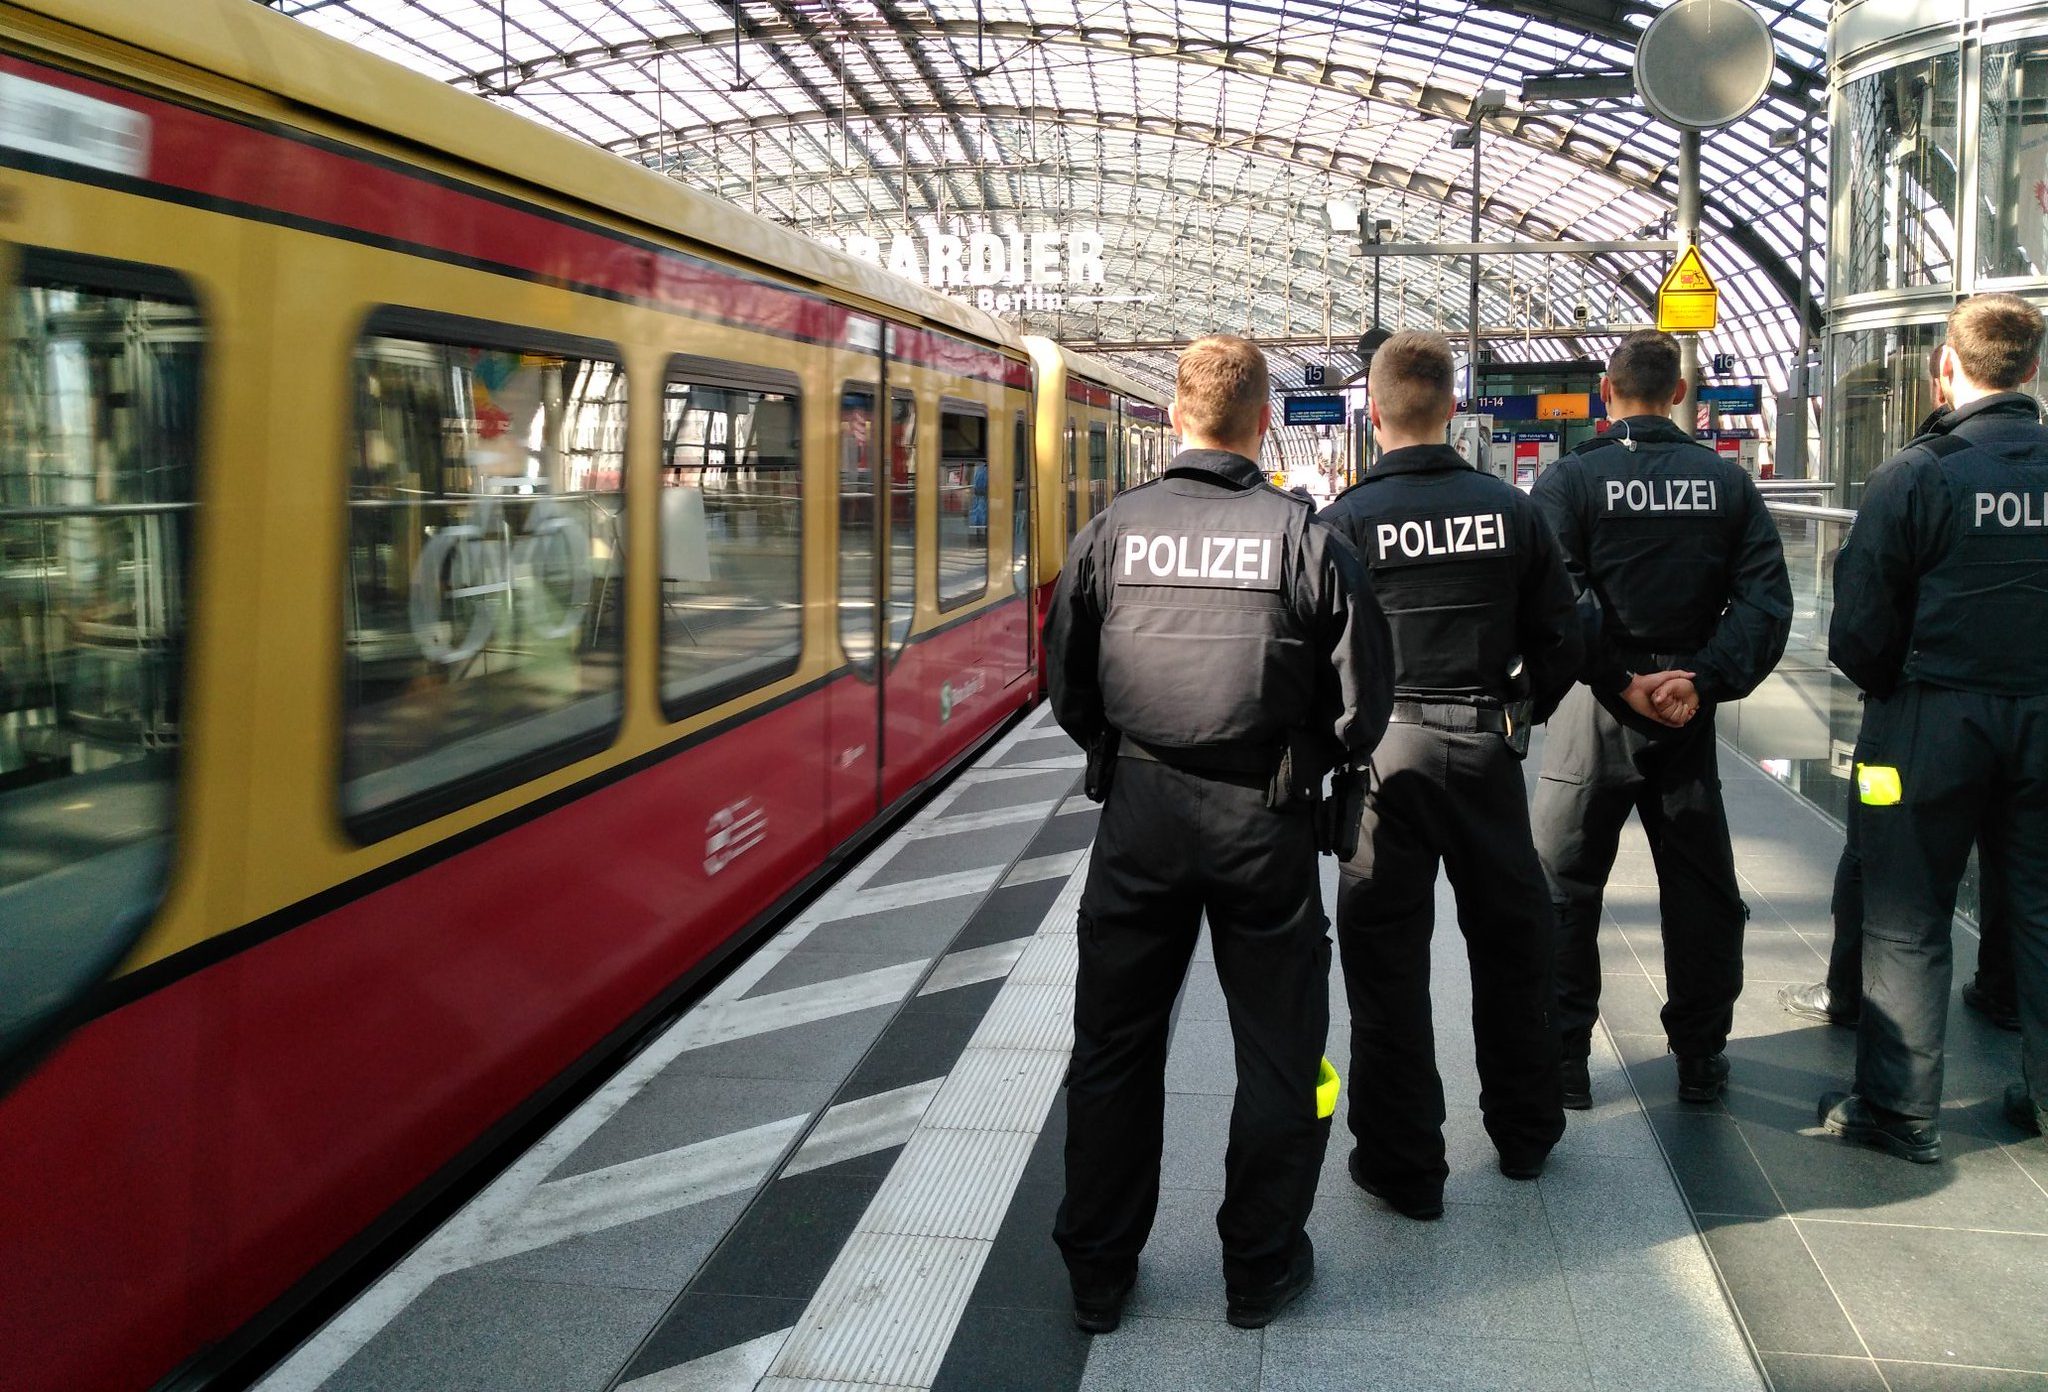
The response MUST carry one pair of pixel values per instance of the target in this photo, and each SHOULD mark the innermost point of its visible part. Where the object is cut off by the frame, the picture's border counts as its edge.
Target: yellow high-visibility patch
(1326, 1090)
(1878, 785)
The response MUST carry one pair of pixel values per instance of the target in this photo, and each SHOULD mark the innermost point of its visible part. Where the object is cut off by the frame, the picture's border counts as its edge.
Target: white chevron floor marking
(889, 1306)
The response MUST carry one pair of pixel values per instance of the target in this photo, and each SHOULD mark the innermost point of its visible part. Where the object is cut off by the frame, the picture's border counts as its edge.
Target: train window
(485, 555)
(857, 525)
(731, 534)
(963, 503)
(1074, 486)
(99, 439)
(1020, 506)
(1098, 469)
(902, 517)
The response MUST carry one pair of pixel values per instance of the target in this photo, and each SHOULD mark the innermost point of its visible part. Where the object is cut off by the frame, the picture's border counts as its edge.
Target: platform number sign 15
(1312, 375)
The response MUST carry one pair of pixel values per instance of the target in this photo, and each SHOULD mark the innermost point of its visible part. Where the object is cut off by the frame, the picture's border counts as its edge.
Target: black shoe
(1100, 1308)
(1817, 1002)
(1419, 1204)
(1578, 1088)
(1702, 1077)
(1523, 1164)
(1859, 1120)
(2021, 1111)
(1255, 1309)
(2000, 1010)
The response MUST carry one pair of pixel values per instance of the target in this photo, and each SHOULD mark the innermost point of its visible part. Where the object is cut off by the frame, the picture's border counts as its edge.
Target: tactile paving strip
(889, 1306)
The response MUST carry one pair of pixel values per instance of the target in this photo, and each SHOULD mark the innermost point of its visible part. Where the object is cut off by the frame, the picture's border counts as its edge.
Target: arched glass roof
(1203, 138)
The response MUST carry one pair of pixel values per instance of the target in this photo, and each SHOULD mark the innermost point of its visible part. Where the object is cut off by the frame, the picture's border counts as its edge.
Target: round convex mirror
(1704, 63)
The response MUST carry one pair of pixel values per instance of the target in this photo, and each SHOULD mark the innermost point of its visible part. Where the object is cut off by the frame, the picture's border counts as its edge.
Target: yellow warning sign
(1687, 300)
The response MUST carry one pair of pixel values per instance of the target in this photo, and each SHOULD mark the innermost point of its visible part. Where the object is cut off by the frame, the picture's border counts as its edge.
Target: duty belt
(1248, 760)
(1454, 716)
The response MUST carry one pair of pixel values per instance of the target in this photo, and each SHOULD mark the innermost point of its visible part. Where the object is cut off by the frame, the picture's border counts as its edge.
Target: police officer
(1675, 551)
(1838, 1000)
(1486, 640)
(1217, 651)
(1938, 600)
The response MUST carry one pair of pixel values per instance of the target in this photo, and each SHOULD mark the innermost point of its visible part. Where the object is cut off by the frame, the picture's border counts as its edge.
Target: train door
(896, 535)
(854, 738)
(1023, 506)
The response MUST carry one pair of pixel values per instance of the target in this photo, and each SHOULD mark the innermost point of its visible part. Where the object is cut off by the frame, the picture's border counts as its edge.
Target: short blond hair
(1414, 381)
(1997, 338)
(1220, 385)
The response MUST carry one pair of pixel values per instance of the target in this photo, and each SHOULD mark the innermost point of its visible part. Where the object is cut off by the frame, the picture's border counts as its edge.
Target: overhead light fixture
(1490, 102)
(1579, 86)
(1343, 214)
(1465, 137)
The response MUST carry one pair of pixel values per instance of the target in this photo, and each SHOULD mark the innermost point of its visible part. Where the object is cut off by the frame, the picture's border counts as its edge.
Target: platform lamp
(1346, 217)
(1489, 102)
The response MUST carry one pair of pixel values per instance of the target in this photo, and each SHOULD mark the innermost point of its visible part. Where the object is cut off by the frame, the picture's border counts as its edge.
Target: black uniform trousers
(1458, 798)
(1845, 952)
(1595, 772)
(1971, 767)
(1173, 845)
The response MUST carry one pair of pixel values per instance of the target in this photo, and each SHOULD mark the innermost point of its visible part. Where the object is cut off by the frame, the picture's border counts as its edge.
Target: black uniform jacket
(1209, 617)
(1471, 578)
(1677, 550)
(1944, 576)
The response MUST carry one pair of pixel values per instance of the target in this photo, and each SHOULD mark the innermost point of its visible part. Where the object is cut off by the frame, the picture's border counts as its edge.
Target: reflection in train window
(485, 559)
(857, 524)
(902, 518)
(963, 503)
(99, 439)
(731, 535)
(1098, 469)
(1073, 486)
(1020, 506)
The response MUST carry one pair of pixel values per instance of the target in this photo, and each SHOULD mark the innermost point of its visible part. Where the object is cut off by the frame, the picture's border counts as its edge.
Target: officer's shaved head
(1997, 338)
(1645, 367)
(1414, 382)
(1220, 388)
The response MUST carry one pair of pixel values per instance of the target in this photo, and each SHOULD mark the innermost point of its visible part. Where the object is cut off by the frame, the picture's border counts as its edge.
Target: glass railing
(1800, 725)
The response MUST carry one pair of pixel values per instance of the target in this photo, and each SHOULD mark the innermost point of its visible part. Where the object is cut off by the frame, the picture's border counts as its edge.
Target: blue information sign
(1734, 401)
(1312, 410)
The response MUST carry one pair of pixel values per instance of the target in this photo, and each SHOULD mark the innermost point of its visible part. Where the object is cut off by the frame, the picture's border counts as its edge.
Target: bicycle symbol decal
(468, 577)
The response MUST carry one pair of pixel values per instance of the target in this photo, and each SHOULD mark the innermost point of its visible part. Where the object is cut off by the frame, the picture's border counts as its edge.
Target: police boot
(1421, 1204)
(1099, 1308)
(1863, 1122)
(1817, 1002)
(1999, 1008)
(1255, 1309)
(2021, 1111)
(1577, 1090)
(1702, 1077)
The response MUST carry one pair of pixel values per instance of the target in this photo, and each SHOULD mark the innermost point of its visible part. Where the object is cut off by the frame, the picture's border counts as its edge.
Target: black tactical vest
(1980, 622)
(1441, 546)
(1203, 644)
(1664, 519)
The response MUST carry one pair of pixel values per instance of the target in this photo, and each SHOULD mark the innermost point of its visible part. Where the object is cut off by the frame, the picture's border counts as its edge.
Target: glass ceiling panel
(1204, 138)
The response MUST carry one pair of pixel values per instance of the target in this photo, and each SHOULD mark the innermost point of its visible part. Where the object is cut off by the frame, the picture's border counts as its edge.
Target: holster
(1520, 716)
(1299, 776)
(1519, 708)
(1101, 766)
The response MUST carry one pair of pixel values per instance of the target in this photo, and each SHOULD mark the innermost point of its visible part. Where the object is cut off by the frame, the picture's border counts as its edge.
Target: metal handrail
(1811, 512)
(30, 513)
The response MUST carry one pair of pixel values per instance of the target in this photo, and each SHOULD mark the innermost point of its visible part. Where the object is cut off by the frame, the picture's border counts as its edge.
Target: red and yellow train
(455, 586)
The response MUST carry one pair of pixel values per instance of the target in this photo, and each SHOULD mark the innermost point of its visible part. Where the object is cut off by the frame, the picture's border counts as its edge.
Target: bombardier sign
(1002, 272)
